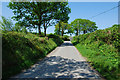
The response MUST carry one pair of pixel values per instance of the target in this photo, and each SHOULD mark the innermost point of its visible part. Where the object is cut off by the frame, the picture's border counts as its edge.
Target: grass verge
(102, 49)
(99, 62)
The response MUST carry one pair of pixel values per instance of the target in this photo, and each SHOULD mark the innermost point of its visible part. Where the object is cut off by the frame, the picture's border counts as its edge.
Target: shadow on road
(66, 44)
(59, 67)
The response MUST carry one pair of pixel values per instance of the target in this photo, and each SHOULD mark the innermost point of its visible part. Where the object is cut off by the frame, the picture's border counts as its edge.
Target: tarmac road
(63, 62)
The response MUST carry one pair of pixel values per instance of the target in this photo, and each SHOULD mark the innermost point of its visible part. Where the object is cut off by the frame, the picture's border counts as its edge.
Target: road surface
(63, 62)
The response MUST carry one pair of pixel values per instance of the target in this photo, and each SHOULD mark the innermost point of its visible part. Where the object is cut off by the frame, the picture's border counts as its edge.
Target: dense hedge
(20, 50)
(66, 38)
(56, 38)
(102, 48)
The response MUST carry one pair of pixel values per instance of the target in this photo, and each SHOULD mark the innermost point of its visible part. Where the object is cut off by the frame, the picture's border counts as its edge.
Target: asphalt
(63, 62)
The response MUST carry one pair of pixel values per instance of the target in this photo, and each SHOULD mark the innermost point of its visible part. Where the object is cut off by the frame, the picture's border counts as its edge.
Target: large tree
(34, 14)
(62, 14)
(58, 15)
(76, 24)
(83, 25)
(70, 30)
(64, 26)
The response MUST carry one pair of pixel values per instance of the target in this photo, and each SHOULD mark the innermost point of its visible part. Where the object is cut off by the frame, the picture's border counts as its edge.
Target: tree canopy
(35, 14)
(83, 25)
(64, 26)
(6, 24)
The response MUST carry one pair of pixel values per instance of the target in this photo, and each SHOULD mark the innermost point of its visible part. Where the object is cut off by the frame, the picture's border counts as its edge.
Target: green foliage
(70, 30)
(55, 38)
(21, 50)
(83, 25)
(6, 24)
(35, 14)
(102, 48)
(66, 38)
(24, 30)
(41, 35)
(17, 27)
(61, 26)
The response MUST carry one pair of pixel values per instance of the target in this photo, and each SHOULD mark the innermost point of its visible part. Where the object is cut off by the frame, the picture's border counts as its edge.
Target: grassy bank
(20, 50)
(102, 49)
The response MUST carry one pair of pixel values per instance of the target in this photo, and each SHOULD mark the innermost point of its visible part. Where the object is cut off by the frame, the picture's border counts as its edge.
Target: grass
(102, 49)
(99, 62)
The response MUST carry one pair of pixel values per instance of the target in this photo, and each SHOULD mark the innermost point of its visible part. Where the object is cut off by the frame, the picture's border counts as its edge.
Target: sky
(83, 10)
(86, 10)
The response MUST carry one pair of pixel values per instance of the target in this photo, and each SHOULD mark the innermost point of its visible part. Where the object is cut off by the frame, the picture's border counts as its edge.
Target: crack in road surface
(63, 62)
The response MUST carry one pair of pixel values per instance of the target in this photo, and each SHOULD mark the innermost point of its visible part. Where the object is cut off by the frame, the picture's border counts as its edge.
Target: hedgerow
(21, 50)
(102, 48)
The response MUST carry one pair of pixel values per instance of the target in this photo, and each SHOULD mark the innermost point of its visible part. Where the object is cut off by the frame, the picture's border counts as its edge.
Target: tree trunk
(77, 32)
(39, 25)
(62, 31)
(39, 30)
(45, 31)
(84, 31)
(59, 28)
(44, 28)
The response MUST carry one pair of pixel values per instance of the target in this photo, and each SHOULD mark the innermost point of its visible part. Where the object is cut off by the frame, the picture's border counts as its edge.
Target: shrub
(56, 38)
(66, 38)
(21, 50)
(102, 48)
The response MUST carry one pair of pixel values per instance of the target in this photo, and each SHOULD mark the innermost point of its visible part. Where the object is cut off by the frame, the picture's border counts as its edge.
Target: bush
(102, 48)
(21, 50)
(66, 38)
(55, 38)
(41, 35)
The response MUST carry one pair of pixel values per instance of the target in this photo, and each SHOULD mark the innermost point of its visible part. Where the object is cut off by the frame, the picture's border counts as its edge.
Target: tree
(24, 30)
(63, 27)
(6, 24)
(83, 25)
(70, 30)
(75, 25)
(88, 26)
(17, 27)
(57, 29)
(62, 13)
(34, 14)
